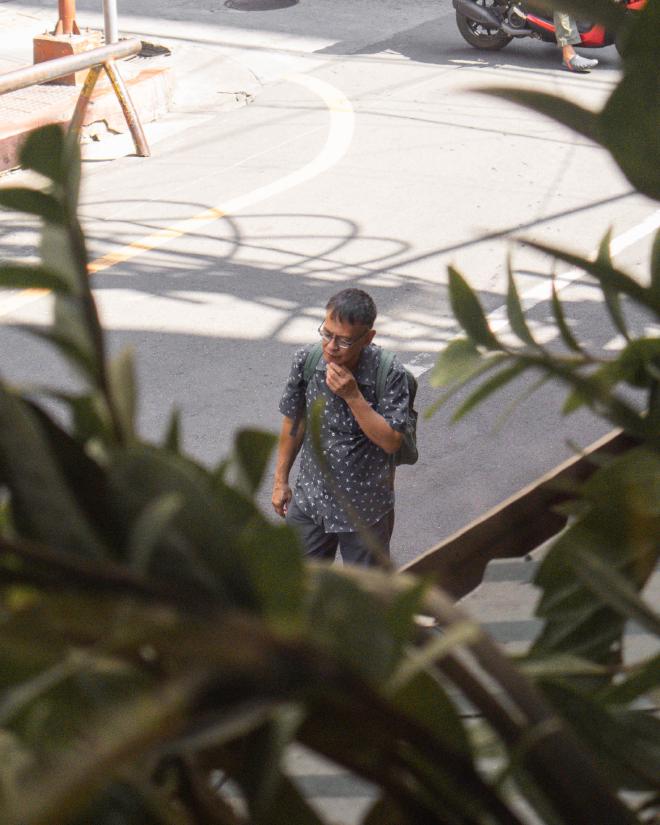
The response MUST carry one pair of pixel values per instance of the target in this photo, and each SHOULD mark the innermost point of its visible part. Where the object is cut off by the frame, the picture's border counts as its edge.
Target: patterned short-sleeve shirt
(363, 473)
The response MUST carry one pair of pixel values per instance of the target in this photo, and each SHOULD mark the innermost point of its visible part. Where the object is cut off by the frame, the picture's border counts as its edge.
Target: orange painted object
(66, 23)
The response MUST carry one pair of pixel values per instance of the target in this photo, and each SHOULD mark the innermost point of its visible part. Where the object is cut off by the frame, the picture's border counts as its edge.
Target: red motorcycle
(493, 24)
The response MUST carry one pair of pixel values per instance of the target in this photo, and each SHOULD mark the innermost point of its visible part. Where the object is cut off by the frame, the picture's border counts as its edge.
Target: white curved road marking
(340, 135)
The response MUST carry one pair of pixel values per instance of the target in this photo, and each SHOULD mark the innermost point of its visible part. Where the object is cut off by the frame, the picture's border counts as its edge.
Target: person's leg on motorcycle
(567, 36)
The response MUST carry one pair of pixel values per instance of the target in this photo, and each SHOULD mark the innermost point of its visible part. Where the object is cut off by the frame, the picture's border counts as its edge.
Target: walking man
(332, 504)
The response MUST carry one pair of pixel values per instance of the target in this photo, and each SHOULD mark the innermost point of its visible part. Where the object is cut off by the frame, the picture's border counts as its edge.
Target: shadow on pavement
(266, 312)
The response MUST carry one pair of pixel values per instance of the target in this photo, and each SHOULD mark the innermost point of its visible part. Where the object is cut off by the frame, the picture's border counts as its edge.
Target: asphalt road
(374, 165)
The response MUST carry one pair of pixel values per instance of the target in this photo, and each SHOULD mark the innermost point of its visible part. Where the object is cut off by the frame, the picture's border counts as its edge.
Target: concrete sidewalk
(159, 79)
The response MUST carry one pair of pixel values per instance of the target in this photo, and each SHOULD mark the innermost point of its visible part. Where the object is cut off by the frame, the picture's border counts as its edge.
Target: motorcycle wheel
(480, 36)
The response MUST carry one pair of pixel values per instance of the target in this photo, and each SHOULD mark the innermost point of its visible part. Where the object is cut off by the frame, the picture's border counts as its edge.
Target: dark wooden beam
(515, 527)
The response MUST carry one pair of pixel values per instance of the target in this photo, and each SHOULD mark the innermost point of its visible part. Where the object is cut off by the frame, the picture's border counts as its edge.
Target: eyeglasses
(342, 343)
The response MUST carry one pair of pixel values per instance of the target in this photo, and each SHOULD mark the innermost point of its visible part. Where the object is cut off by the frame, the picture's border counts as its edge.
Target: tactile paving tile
(33, 99)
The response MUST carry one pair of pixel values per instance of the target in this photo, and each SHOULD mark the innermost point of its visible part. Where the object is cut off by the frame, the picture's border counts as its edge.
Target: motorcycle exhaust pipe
(479, 14)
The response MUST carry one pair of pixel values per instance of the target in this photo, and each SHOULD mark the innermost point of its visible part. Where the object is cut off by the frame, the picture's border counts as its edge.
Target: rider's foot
(579, 64)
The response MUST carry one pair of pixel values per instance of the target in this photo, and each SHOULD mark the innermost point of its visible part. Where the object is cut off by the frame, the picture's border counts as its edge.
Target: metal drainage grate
(259, 5)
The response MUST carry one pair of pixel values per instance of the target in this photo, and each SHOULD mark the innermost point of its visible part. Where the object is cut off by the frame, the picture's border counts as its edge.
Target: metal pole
(127, 107)
(110, 21)
(66, 23)
(85, 96)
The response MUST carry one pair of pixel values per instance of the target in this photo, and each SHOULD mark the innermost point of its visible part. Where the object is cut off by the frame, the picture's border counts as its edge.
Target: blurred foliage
(159, 636)
(592, 576)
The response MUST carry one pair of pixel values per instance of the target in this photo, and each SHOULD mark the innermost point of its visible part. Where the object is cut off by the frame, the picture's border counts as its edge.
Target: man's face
(358, 334)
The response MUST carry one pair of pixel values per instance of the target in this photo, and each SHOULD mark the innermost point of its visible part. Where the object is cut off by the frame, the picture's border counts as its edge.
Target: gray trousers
(566, 31)
(354, 549)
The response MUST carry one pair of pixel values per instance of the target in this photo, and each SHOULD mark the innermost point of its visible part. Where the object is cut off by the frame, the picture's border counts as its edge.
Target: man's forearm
(373, 425)
(290, 441)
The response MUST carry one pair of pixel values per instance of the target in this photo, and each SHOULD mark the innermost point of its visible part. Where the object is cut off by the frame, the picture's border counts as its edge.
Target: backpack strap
(386, 358)
(313, 357)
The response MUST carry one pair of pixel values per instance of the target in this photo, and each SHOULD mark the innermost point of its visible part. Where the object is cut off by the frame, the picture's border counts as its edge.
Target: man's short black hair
(353, 306)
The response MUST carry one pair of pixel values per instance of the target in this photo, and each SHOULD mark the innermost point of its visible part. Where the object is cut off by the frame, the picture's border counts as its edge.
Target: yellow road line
(340, 135)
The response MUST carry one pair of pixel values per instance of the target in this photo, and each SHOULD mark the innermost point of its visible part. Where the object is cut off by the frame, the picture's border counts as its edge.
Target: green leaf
(511, 407)
(613, 589)
(219, 472)
(612, 301)
(488, 388)
(515, 312)
(19, 276)
(55, 248)
(85, 476)
(353, 625)
(441, 645)
(607, 275)
(638, 361)
(594, 389)
(468, 311)
(560, 109)
(71, 160)
(206, 545)
(385, 811)
(172, 441)
(252, 451)
(627, 743)
(121, 802)
(74, 350)
(63, 786)
(486, 363)
(538, 801)
(274, 561)
(43, 151)
(558, 666)
(261, 772)
(71, 325)
(655, 268)
(148, 530)
(618, 526)
(288, 806)
(562, 325)
(44, 507)
(123, 389)
(90, 416)
(402, 612)
(642, 679)
(631, 482)
(633, 109)
(21, 199)
(458, 361)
